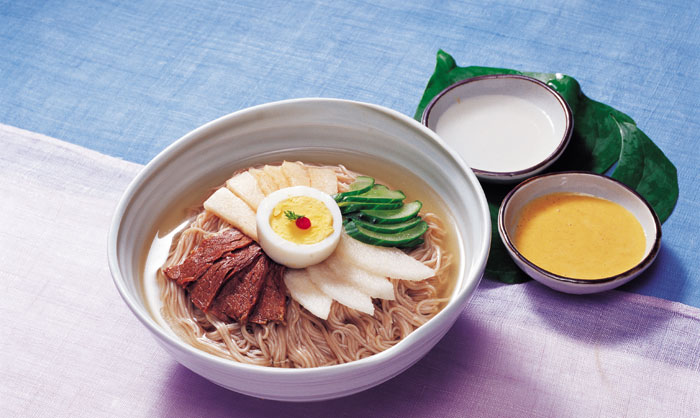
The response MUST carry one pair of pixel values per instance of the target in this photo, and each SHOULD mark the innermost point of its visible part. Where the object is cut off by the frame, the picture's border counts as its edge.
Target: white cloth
(70, 347)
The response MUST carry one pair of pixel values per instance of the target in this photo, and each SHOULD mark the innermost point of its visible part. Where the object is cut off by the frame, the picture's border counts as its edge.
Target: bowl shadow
(608, 318)
(431, 385)
(665, 278)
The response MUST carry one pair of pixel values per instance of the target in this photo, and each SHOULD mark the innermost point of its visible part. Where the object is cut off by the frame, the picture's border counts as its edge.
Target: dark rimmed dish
(586, 183)
(531, 90)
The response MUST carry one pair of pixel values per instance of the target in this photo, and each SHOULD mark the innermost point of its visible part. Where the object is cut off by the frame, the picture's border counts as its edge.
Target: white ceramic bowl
(319, 128)
(507, 127)
(586, 183)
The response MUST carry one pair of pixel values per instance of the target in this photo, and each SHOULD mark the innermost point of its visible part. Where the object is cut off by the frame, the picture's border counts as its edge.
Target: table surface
(128, 78)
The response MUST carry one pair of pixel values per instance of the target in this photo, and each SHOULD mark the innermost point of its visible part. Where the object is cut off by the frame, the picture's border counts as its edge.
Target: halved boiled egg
(298, 226)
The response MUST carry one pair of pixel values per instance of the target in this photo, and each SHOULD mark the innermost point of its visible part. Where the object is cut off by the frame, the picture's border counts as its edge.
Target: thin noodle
(305, 340)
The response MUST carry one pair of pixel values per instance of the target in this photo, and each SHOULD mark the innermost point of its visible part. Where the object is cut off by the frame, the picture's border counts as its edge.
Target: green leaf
(646, 169)
(602, 136)
(499, 265)
(291, 215)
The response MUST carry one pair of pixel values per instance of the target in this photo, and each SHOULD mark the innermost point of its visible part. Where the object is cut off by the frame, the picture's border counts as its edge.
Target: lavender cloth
(71, 348)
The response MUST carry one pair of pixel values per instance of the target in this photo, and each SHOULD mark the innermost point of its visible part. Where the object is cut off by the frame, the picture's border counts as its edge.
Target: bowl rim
(638, 268)
(188, 140)
(553, 156)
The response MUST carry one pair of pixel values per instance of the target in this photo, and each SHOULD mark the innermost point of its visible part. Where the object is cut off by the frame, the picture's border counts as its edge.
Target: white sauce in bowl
(499, 133)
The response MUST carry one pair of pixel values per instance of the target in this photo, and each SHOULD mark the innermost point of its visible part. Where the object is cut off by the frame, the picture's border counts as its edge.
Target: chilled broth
(498, 133)
(177, 218)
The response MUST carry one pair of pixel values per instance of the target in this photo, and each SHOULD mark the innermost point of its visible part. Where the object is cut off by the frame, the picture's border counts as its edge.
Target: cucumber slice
(393, 216)
(398, 239)
(388, 228)
(361, 184)
(349, 207)
(378, 194)
(416, 242)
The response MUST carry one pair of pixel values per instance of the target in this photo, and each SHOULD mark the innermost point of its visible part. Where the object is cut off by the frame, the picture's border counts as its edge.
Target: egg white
(288, 253)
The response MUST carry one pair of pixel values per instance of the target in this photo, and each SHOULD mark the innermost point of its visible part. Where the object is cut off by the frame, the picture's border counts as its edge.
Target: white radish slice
(384, 261)
(296, 174)
(245, 186)
(374, 285)
(275, 173)
(337, 288)
(323, 179)
(304, 291)
(265, 182)
(227, 206)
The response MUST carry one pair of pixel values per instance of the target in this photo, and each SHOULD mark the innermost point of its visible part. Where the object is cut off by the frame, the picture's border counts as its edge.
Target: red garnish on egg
(303, 223)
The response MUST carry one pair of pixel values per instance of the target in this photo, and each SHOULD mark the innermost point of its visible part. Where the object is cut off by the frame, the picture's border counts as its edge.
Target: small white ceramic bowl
(320, 129)
(507, 127)
(586, 183)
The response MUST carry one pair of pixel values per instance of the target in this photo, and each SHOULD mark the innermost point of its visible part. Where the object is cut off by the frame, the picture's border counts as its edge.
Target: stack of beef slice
(229, 276)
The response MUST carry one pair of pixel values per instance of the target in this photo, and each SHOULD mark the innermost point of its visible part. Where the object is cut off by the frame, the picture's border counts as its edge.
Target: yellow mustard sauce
(317, 212)
(579, 236)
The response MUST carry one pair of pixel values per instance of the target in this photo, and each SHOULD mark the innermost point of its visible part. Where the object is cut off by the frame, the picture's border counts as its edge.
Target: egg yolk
(317, 212)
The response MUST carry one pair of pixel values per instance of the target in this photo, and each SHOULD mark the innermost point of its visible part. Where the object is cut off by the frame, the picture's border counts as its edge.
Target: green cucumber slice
(392, 216)
(349, 207)
(398, 239)
(378, 194)
(361, 184)
(412, 244)
(388, 228)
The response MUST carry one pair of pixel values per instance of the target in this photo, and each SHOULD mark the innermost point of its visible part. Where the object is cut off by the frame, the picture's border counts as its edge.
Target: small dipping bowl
(506, 127)
(584, 183)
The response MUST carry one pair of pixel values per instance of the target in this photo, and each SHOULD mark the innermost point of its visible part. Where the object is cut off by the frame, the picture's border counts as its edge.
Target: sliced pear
(323, 179)
(384, 261)
(340, 290)
(304, 291)
(373, 285)
(245, 186)
(265, 182)
(276, 174)
(227, 206)
(296, 174)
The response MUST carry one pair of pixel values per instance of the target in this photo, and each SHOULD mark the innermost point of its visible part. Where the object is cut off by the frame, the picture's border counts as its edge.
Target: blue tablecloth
(129, 78)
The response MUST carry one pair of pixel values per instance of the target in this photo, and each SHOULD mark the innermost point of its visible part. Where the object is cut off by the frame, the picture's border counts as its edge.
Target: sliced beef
(229, 276)
(203, 291)
(238, 298)
(219, 304)
(239, 305)
(202, 257)
(272, 303)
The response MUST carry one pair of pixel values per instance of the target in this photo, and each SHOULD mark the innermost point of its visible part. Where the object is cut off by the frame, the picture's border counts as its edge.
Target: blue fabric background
(129, 78)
